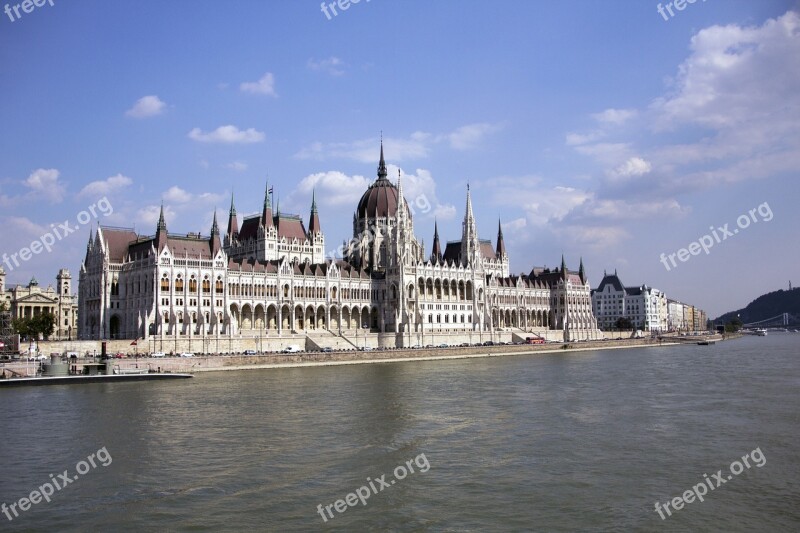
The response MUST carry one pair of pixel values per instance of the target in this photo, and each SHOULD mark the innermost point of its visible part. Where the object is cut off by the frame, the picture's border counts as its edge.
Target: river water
(583, 441)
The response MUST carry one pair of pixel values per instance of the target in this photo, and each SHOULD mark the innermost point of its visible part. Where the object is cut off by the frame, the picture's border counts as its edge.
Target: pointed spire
(161, 230)
(436, 252)
(233, 221)
(470, 247)
(382, 173)
(501, 243)
(582, 272)
(563, 267)
(214, 225)
(216, 244)
(314, 226)
(401, 201)
(266, 212)
(162, 224)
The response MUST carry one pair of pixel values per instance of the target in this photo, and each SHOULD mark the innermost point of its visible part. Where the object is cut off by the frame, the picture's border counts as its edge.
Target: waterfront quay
(210, 363)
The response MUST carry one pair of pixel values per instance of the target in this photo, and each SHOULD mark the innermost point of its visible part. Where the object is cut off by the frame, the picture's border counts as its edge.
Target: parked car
(119, 355)
(187, 354)
(157, 354)
(250, 352)
(444, 345)
(366, 348)
(327, 349)
(292, 348)
(488, 343)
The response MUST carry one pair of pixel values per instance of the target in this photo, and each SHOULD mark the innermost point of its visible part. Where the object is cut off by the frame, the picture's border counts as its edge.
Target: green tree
(733, 325)
(623, 322)
(34, 327)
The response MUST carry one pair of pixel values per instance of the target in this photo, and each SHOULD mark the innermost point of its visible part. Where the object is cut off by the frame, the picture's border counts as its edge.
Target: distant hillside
(767, 306)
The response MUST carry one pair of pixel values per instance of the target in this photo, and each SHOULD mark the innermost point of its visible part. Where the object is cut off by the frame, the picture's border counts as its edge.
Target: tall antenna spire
(382, 173)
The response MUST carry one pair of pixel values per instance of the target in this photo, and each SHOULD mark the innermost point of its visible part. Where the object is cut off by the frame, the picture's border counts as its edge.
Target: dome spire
(382, 173)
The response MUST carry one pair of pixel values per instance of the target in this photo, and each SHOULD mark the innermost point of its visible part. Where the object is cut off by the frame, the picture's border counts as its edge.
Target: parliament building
(267, 282)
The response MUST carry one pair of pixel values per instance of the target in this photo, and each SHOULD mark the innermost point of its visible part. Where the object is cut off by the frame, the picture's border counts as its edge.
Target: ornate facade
(32, 300)
(270, 279)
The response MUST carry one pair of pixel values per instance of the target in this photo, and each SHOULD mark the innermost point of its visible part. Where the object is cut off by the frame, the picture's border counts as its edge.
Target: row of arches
(298, 317)
(443, 289)
(522, 318)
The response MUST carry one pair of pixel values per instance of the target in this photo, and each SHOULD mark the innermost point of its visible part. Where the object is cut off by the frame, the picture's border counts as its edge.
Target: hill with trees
(766, 306)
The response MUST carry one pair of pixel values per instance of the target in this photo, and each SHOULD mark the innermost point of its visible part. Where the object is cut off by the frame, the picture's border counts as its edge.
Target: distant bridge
(782, 320)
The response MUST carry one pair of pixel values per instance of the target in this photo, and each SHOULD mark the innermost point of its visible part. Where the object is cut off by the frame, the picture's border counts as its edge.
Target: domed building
(381, 218)
(268, 283)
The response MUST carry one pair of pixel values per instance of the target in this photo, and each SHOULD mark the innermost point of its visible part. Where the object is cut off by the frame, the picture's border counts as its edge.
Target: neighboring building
(270, 277)
(644, 306)
(32, 300)
(685, 317)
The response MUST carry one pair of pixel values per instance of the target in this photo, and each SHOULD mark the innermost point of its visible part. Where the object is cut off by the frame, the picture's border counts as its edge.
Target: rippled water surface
(555, 442)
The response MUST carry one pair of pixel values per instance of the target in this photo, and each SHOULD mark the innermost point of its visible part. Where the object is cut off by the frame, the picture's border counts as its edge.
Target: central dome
(379, 200)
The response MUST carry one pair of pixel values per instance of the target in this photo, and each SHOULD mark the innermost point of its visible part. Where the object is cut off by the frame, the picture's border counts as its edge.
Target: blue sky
(596, 130)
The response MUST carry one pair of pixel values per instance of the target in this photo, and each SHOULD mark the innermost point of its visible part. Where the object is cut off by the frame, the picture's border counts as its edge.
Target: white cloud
(515, 225)
(732, 76)
(106, 186)
(416, 146)
(146, 106)
(334, 188)
(179, 196)
(227, 134)
(238, 166)
(23, 227)
(543, 204)
(595, 238)
(615, 116)
(265, 86)
(419, 191)
(574, 139)
(148, 215)
(44, 184)
(633, 167)
(619, 209)
(332, 65)
(471, 135)
(444, 212)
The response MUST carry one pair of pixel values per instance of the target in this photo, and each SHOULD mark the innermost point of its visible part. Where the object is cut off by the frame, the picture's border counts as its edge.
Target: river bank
(217, 363)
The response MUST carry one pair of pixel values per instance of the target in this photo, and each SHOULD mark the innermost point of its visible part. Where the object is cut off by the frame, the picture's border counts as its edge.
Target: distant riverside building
(269, 277)
(32, 300)
(645, 307)
(685, 317)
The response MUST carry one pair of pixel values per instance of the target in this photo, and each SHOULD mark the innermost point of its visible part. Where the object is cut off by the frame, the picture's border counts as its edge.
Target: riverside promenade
(216, 363)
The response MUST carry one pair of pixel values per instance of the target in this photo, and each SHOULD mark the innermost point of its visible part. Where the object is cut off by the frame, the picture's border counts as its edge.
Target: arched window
(165, 284)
